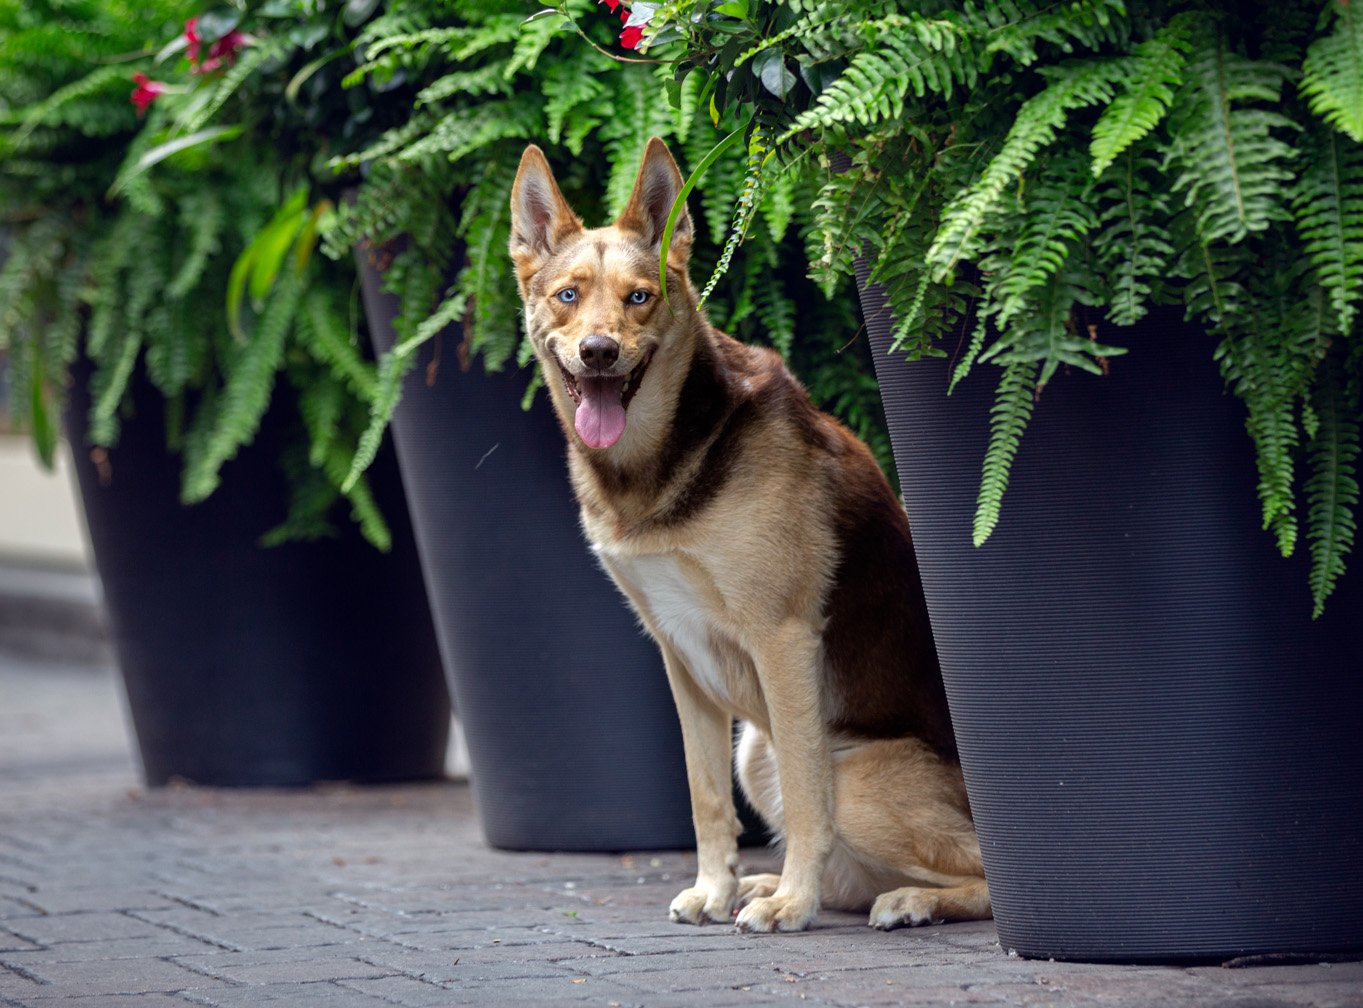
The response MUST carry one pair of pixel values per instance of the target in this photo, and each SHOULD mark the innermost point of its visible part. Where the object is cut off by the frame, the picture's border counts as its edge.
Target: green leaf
(680, 202)
(159, 153)
(44, 430)
(771, 70)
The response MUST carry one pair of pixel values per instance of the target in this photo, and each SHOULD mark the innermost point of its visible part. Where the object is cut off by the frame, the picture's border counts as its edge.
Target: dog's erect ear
(540, 216)
(655, 190)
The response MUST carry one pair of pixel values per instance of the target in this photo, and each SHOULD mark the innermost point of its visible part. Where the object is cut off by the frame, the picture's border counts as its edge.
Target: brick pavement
(342, 896)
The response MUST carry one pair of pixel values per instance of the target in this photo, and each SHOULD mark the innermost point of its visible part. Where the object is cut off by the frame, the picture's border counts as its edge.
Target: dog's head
(593, 303)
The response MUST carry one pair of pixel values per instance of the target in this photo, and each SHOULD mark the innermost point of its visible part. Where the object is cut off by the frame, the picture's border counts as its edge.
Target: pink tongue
(600, 417)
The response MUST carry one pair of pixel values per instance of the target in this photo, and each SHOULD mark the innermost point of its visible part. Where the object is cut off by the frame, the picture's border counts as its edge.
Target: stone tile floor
(344, 896)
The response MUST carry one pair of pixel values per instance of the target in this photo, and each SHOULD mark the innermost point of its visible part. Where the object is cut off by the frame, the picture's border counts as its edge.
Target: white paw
(908, 907)
(776, 913)
(703, 905)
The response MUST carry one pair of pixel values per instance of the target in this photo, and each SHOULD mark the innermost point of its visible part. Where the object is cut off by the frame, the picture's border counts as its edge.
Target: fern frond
(1328, 207)
(1253, 373)
(394, 366)
(485, 228)
(637, 115)
(248, 63)
(1038, 120)
(1008, 419)
(573, 98)
(749, 198)
(1332, 491)
(488, 80)
(326, 334)
(1332, 74)
(246, 392)
(458, 134)
(1232, 169)
(1018, 31)
(1147, 90)
(1135, 253)
(1058, 216)
(904, 54)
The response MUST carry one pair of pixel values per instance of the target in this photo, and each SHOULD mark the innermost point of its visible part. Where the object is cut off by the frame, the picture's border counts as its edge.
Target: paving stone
(108, 1000)
(156, 946)
(11, 942)
(319, 994)
(74, 927)
(401, 990)
(345, 897)
(115, 976)
(284, 966)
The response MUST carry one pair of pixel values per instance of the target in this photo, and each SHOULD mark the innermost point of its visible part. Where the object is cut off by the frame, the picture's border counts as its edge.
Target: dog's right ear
(540, 217)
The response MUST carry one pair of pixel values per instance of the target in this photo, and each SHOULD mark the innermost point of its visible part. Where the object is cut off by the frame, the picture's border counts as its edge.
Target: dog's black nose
(598, 352)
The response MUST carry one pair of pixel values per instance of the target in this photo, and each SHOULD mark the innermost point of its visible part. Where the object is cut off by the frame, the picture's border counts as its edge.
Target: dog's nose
(598, 352)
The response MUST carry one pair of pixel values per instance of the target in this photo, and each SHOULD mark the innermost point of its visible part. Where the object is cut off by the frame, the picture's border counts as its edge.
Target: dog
(764, 551)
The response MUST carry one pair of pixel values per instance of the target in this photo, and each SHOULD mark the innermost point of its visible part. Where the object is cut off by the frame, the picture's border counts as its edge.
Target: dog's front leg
(788, 672)
(707, 736)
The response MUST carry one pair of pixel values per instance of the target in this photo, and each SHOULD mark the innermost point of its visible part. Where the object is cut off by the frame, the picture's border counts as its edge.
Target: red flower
(223, 52)
(192, 39)
(631, 36)
(145, 92)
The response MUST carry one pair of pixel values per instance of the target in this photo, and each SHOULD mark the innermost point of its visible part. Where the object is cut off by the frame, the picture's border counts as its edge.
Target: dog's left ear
(655, 190)
(540, 216)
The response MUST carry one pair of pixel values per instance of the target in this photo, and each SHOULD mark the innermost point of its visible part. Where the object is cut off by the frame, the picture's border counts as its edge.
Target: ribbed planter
(573, 737)
(1162, 750)
(249, 666)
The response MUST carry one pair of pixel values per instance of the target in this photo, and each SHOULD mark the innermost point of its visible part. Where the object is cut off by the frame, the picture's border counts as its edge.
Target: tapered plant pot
(1161, 748)
(573, 738)
(246, 665)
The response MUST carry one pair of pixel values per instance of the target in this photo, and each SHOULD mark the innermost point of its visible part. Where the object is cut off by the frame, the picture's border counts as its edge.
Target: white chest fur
(675, 601)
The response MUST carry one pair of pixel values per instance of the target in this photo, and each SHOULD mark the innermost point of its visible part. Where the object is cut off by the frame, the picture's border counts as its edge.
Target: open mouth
(601, 402)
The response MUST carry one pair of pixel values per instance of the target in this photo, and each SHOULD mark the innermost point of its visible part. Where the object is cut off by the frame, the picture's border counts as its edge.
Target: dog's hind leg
(914, 905)
(904, 829)
(904, 846)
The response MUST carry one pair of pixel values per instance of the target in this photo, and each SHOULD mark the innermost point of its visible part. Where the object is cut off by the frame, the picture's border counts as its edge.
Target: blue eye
(638, 297)
(568, 295)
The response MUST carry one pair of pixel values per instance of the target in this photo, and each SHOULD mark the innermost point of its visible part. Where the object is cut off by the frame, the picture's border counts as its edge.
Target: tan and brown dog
(767, 555)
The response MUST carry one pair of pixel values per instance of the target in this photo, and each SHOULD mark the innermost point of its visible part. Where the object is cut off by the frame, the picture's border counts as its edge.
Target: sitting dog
(765, 552)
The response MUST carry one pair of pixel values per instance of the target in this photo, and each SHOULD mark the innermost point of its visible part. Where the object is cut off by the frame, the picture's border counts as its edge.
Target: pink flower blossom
(145, 92)
(222, 52)
(192, 39)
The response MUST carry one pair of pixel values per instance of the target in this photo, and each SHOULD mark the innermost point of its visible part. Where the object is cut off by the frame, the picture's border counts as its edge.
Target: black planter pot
(573, 737)
(1161, 748)
(252, 666)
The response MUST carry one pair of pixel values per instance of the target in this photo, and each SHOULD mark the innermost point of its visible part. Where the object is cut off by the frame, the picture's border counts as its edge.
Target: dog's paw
(751, 887)
(776, 913)
(908, 907)
(702, 905)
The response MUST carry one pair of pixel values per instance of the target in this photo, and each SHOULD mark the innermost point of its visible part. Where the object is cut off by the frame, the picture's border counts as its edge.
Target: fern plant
(434, 204)
(173, 233)
(1025, 170)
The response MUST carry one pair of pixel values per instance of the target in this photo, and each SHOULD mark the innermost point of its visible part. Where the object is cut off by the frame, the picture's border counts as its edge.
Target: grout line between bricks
(185, 932)
(20, 971)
